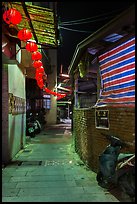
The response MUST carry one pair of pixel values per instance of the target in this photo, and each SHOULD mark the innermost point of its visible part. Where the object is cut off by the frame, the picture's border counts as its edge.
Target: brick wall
(89, 142)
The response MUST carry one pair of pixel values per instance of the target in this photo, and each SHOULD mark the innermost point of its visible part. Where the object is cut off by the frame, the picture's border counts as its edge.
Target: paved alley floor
(49, 170)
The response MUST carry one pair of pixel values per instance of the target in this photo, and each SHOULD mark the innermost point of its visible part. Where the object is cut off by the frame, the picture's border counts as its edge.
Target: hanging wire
(101, 15)
(100, 19)
(82, 31)
(45, 54)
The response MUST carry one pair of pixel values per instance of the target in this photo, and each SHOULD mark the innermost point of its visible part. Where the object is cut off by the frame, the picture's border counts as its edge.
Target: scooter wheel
(101, 181)
(32, 135)
(127, 182)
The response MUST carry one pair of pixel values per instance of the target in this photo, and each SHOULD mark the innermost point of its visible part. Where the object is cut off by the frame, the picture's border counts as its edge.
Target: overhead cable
(82, 31)
(101, 19)
(45, 54)
(101, 15)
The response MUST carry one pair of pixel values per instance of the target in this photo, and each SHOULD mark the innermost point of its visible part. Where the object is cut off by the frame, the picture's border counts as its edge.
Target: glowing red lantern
(40, 83)
(24, 34)
(37, 64)
(47, 90)
(38, 75)
(40, 86)
(40, 69)
(12, 16)
(31, 46)
(36, 56)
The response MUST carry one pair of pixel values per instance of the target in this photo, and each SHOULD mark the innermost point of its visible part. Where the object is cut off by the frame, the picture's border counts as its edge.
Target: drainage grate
(30, 163)
(56, 162)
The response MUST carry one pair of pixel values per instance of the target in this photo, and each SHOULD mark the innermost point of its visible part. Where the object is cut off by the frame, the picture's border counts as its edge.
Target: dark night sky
(70, 11)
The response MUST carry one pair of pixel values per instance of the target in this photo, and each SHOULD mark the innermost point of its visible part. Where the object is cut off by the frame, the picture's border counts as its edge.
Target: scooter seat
(122, 156)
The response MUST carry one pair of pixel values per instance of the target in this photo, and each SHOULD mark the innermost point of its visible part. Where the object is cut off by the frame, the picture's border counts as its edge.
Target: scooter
(40, 116)
(117, 169)
(30, 128)
(37, 126)
(33, 122)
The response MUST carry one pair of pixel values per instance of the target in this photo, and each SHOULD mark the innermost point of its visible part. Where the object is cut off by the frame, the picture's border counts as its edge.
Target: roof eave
(111, 26)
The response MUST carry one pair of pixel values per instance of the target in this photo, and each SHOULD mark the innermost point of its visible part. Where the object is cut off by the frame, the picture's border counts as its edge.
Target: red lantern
(31, 46)
(40, 69)
(40, 83)
(37, 72)
(24, 34)
(12, 16)
(36, 56)
(37, 64)
(47, 90)
(38, 75)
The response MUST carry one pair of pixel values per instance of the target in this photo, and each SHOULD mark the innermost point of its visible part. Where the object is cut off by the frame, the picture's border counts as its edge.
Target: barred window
(47, 102)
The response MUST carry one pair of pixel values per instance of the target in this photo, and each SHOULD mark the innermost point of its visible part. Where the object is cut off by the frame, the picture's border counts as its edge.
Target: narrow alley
(68, 102)
(49, 170)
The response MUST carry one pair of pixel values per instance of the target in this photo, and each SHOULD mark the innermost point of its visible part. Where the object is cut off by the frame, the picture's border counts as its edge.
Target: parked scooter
(33, 126)
(40, 116)
(117, 168)
(30, 128)
(36, 122)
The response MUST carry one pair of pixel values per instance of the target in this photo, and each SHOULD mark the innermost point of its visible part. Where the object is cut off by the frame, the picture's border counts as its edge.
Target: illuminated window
(113, 37)
(47, 102)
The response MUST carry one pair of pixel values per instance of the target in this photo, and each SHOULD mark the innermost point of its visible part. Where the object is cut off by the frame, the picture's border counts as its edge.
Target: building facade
(17, 70)
(103, 74)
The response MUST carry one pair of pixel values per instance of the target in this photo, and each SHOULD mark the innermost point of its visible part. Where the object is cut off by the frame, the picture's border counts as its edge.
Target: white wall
(16, 81)
(17, 123)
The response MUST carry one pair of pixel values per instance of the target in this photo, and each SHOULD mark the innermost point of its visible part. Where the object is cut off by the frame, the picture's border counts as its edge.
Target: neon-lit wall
(13, 125)
(16, 85)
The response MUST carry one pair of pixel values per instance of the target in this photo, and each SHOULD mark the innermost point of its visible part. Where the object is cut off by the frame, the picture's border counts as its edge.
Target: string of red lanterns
(13, 17)
(55, 93)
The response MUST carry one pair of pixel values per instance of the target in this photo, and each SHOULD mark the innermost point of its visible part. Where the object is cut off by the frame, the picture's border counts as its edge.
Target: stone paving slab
(6, 191)
(49, 183)
(7, 185)
(61, 198)
(51, 191)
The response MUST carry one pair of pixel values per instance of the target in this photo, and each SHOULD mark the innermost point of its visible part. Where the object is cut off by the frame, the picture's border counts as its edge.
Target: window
(101, 119)
(87, 100)
(47, 102)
